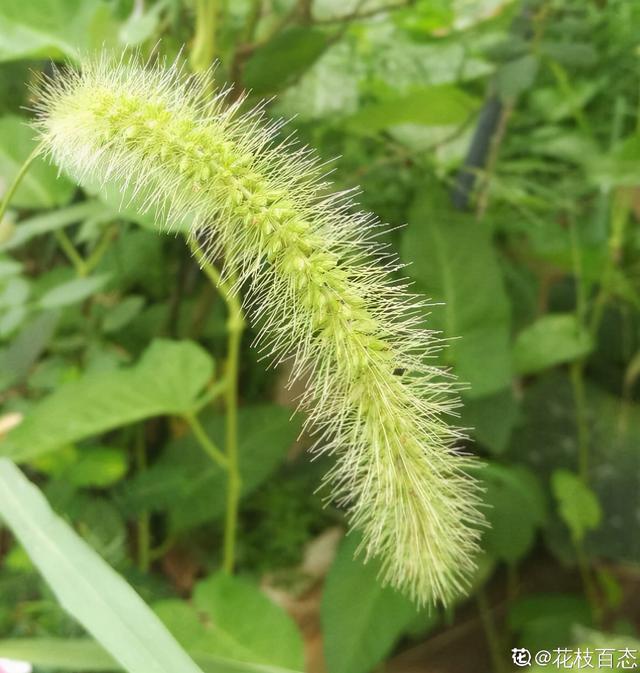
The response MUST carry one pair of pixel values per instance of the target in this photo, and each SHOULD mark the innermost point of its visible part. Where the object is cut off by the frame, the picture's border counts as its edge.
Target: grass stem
(4, 204)
(235, 329)
(205, 442)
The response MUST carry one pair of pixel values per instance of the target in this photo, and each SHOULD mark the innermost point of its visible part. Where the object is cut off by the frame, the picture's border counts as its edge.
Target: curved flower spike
(319, 285)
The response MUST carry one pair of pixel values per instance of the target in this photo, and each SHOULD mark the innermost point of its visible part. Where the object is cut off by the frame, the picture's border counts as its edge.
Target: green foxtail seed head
(318, 283)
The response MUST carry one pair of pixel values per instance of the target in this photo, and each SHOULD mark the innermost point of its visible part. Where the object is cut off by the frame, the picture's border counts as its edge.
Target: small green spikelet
(318, 283)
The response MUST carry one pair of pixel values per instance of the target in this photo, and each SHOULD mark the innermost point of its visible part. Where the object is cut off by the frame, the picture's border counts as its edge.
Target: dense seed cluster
(317, 283)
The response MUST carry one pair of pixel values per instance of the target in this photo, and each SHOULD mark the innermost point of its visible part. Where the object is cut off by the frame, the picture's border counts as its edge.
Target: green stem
(587, 581)
(577, 367)
(235, 329)
(580, 401)
(4, 204)
(144, 522)
(70, 251)
(576, 260)
(251, 23)
(213, 391)
(496, 651)
(98, 252)
(203, 51)
(205, 442)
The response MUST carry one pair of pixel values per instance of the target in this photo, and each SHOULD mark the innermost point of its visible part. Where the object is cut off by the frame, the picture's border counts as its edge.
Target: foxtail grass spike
(317, 282)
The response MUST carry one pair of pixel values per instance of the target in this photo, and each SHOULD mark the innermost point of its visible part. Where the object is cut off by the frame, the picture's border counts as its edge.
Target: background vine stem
(4, 203)
(235, 329)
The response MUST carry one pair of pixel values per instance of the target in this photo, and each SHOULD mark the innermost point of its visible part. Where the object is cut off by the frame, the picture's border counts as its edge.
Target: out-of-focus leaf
(491, 419)
(543, 622)
(516, 509)
(553, 104)
(166, 380)
(72, 291)
(141, 25)
(185, 482)
(87, 588)
(515, 77)
(15, 292)
(122, 313)
(11, 319)
(97, 466)
(78, 654)
(361, 620)
(57, 219)
(570, 54)
(135, 259)
(242, 623)
(83, 654)
(26, 347)
(283, 59)
(453, 259)
(426, 17)
(9, 267)
(40, 187)
(327, 89)
(620, 167)
(552, 340)
(546, 440)
(438, 105)
(53, 28)
(578, 504)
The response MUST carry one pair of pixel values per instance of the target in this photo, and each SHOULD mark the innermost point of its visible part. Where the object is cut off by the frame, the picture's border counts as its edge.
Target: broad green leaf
(136, 259)
(570, 53)
(132, 204)
(166, 380)
(578, 504)
(97, 520)
(9, 267)
(57, 219)
(439, 105)
(283, 59)
(11, 319)
(98, 467)
(186, 483)
(83, 654)
(545, 621)
(552, 340)
(86, 587)
(141, 25)
(122, 313)
(91, 466)
(490, 419)
(14, 292)
(40, 187)
(72, 291)
(53, 28)
(26, 347)
(546, 439)
(515, 77)
(361, 620)
(619, 167)
(328, 88)
(453, 259)
(516, 509)
(245, 625)
(426, 18)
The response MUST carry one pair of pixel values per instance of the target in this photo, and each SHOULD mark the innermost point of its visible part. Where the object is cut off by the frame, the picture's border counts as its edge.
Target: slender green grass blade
(90, 590)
